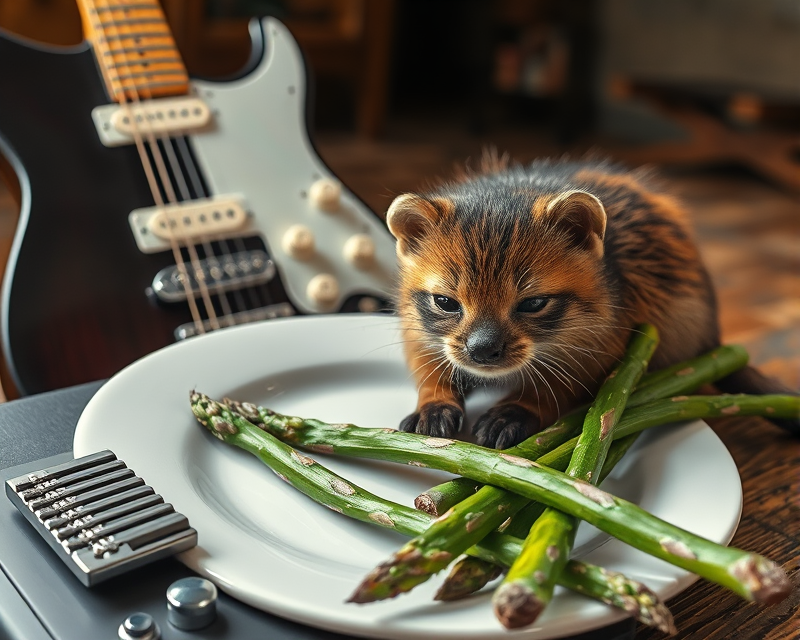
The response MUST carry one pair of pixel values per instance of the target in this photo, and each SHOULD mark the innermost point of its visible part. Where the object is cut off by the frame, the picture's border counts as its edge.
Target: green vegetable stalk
(338, 494)
(751, 576)
(472, 573)
(528, 585)
(680, 379)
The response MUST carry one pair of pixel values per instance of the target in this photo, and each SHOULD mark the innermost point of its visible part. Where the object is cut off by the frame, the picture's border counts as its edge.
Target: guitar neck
(134, 49)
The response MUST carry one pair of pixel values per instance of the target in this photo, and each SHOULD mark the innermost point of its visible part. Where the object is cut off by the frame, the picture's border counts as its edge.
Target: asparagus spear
(473, 518)
(751, 576)
(680, 379)
(472, 573)
(338, 494)
(528, 585)
(466, 575)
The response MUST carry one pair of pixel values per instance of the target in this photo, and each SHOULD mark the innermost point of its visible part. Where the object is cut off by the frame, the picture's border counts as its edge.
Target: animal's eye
(532, 305)
(446, 304)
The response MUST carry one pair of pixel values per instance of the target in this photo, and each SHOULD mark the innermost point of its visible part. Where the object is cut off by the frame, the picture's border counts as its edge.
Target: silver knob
(139, 626)
(191, 603)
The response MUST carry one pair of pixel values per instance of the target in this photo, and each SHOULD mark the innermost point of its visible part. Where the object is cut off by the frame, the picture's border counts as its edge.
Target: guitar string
(210, 256)
(162, 172)
(194, 177)
(199, 275)
(252, 291)
(118, 87)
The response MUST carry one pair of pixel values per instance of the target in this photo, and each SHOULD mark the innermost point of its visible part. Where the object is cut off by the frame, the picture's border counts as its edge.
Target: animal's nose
(485, 345)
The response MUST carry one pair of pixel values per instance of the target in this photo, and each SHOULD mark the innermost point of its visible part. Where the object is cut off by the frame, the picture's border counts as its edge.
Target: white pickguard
(259, 147)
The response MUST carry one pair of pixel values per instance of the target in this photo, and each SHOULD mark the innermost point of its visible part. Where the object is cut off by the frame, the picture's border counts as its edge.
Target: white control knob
(359, 250)
(323, 289)
(326, 194)
(298, 242)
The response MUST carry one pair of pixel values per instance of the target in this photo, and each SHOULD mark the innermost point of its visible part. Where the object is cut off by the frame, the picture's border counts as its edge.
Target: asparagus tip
(516, 606)
(403, 571)
(467, 576)
(768, 583)
(360, 596)
(645, 606)
(662, 619)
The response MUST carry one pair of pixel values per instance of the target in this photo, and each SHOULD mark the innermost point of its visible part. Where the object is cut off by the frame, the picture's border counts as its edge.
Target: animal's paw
(504, 426)
(438, 419)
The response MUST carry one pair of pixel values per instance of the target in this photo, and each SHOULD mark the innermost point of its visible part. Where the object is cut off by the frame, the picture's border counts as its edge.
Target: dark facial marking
(549, 317)
(435, 321)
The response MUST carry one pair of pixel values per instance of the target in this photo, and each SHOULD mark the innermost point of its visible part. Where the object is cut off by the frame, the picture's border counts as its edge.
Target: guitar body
(75, 306)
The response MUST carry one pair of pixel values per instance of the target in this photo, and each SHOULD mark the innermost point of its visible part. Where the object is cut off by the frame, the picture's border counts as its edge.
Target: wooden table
(769, 464)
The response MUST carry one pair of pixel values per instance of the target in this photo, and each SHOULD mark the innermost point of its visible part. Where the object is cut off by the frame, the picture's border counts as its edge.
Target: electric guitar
(156, 208)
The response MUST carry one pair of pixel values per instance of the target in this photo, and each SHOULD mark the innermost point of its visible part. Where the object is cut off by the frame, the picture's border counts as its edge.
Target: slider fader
(101, 519)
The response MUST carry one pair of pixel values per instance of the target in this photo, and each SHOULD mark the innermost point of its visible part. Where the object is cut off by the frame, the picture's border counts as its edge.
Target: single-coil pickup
(198, 218)
(119, 124)
(217, 273)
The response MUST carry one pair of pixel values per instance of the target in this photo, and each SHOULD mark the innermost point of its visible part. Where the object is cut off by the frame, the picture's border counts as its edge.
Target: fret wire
(148, 61)
(148, 74)
(127, 7)
(133, 86)
(149, 47)
(147, 34)
(131, 21)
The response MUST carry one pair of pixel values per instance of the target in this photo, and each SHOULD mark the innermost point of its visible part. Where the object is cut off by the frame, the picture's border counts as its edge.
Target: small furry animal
(533, 276)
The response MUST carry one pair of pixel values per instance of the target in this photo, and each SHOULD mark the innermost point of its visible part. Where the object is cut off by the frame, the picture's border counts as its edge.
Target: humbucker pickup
(116, 124)
(228, 272)
(154, 228)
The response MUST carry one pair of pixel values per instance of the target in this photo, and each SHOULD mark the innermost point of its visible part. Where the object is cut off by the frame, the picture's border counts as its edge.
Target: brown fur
(493, 239)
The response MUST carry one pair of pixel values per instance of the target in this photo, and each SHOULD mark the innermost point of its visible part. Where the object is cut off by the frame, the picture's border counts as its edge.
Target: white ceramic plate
(273, 548)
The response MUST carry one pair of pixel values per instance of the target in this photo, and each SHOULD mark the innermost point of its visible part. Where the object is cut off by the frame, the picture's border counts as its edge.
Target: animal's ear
(410, 217)
(583, 217)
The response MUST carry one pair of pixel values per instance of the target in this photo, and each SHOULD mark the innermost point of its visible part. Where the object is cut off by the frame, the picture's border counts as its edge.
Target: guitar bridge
(281, 310)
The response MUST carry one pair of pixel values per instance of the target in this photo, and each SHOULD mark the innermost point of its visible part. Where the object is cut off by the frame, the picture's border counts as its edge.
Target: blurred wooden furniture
(347, 40)
(773, 154)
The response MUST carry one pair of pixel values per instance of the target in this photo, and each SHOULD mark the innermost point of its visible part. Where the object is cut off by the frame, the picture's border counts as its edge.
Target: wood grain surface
(769, 464)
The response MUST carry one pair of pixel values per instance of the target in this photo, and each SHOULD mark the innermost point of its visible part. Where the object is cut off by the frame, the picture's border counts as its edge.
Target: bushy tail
(750, 380)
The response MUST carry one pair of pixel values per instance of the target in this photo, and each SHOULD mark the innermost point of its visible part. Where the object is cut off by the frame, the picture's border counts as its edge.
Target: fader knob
(139, 626)
(326, 194)
(191, 603)
(323, 289)
(298, 242)
(359, 250)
